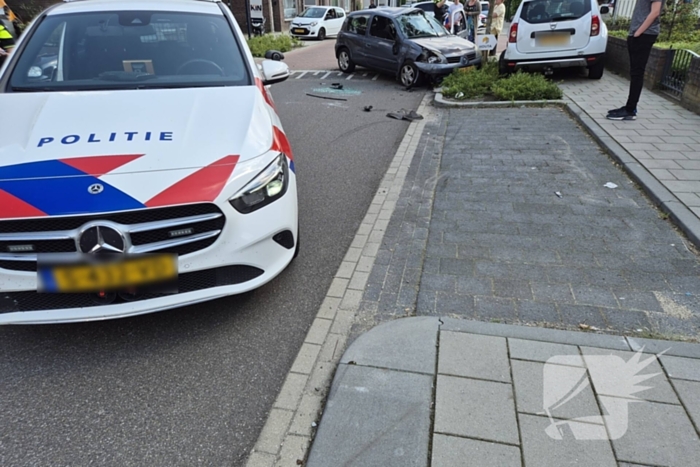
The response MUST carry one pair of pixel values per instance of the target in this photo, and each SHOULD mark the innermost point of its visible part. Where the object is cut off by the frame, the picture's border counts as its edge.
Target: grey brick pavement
(665, 138)
(479, 233)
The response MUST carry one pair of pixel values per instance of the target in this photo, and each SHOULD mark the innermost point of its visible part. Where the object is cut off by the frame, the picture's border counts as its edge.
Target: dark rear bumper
(563, 62)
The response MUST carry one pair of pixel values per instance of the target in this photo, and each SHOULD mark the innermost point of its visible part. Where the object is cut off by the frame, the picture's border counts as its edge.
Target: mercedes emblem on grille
(552, 26)
(95, 189)
(100, 238)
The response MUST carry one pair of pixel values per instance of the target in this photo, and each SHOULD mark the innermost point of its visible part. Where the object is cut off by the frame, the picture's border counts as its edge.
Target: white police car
(144, 167)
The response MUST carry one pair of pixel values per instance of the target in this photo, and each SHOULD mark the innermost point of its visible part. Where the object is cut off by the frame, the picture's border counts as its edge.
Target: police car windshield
(130, 50)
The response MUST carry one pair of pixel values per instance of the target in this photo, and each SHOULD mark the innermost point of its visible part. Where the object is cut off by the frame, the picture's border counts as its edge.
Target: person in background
(454, 7)
(372, 4)
(438, 10)
(473, 10)
(7, 42)
(644, 30)
(499, 13)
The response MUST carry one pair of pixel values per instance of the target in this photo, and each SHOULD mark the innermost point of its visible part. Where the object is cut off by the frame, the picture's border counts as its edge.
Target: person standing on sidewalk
(644, 29)
(499, 12)
(473, 10)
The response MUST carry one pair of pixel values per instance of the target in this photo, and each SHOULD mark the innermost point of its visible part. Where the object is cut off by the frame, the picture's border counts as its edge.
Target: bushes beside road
(486, 83)
(282, 42)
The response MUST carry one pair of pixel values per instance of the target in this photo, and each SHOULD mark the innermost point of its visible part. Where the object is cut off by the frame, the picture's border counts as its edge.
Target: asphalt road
(193, 386)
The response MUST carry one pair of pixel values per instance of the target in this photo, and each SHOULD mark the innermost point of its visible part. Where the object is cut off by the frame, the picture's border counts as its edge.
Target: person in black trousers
(644, 30)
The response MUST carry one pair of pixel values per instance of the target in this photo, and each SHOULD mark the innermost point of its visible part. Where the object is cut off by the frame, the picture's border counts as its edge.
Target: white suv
(548, 34)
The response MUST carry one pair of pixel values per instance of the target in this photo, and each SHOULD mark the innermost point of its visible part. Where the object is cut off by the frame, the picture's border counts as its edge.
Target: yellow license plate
(553, 39)
(113, 275)
(298, 31)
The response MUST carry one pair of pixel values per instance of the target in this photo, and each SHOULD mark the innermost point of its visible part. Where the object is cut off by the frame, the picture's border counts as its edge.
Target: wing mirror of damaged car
(274, 55)
(604, 10)
(274, 71)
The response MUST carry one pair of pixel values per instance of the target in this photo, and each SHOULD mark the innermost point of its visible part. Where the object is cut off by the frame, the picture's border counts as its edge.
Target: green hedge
(519, 86)
(525, 87)
(261, 44)
(690, 43)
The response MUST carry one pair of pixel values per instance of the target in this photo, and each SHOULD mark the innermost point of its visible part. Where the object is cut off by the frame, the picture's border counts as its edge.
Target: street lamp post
(247, 16)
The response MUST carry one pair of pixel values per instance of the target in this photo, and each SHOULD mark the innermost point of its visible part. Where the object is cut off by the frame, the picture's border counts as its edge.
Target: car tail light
(595, 25)
(513, 36)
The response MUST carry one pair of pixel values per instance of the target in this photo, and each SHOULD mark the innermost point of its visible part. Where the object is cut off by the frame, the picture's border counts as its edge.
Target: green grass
(261, 44)
(486, 82)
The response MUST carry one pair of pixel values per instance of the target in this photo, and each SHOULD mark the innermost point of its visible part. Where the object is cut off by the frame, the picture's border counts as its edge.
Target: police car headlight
(267, 187)
(313, 24)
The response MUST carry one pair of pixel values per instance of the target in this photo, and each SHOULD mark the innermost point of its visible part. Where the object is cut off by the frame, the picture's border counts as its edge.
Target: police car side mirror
(274, 72)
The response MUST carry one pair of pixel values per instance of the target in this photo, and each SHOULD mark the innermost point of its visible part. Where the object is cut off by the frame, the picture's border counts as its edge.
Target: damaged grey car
(405, 42)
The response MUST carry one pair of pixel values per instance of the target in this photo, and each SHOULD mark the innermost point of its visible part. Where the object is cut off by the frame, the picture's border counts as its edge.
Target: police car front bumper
(247, 254)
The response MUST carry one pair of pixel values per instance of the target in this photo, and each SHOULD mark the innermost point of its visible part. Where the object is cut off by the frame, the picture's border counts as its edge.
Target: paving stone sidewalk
(430, 391)
(665, 138)
(505, 216)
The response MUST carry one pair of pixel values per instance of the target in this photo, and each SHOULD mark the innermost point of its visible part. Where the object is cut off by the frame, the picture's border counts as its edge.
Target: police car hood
(136, 148)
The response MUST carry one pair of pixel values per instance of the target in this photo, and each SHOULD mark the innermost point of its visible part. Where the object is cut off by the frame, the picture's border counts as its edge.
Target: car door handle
(369, 46)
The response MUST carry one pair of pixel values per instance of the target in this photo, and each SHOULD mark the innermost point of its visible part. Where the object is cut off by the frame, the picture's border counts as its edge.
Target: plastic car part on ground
(404, 114)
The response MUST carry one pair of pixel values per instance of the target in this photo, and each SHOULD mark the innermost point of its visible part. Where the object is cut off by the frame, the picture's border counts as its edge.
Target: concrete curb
(440, 101)
(290, 427)
(679, 213)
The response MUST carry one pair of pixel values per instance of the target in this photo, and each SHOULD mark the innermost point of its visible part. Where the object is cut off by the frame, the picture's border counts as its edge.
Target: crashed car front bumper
(444, 69)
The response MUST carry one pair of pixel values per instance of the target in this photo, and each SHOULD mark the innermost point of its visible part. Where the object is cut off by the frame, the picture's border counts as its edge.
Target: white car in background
(318, 22)
(429, 9)
(549, 34)
(145, 170)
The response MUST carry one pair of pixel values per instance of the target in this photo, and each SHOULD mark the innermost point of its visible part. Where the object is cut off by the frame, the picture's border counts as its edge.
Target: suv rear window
(130, 50)
(546, 11)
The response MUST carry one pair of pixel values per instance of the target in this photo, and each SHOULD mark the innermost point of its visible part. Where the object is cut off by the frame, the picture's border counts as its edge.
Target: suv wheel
(409, 74)
(345, 63)
(596, 71)
(502, 67)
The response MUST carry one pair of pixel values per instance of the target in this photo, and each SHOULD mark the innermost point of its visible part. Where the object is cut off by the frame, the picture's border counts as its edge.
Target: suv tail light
(595, 25)
(513, 36)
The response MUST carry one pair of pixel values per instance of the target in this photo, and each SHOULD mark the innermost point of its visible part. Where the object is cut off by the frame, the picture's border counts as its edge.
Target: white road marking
(349, 76)
(299, 77)
(375, 77)
(326, 75)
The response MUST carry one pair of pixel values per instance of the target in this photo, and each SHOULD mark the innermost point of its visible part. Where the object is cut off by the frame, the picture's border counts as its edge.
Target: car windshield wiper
(562, 18)
(31, 89)
(124, 76)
